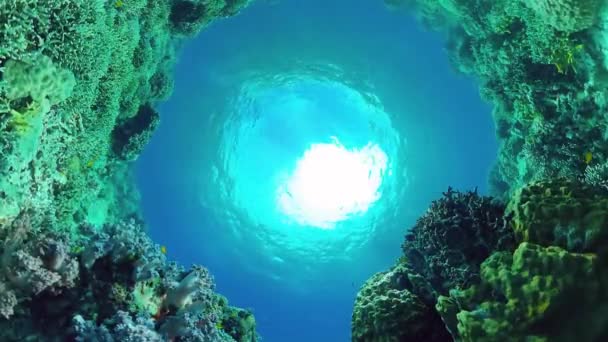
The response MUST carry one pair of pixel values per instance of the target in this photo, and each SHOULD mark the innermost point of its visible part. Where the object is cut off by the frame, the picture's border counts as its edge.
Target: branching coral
(449, 242)
(566, 15)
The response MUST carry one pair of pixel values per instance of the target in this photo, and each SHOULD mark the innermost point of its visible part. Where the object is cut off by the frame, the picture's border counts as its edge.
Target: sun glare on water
(331, 183)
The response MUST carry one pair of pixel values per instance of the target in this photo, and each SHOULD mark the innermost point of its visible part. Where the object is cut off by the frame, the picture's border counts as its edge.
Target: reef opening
(331, 183)
(299, 148)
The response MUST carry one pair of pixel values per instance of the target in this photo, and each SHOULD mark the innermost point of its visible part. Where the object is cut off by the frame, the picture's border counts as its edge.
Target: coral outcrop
(455, 235)
(537, 293)
(553, 286)
(563, 213)
(397, 305)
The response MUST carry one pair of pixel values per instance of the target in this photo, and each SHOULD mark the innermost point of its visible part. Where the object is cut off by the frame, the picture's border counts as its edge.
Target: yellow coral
(563, 58)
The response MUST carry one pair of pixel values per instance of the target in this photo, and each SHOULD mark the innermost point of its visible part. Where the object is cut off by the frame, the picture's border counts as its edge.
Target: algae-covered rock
(563, 213)
(396, 306)
(455, 235)
(536, 294)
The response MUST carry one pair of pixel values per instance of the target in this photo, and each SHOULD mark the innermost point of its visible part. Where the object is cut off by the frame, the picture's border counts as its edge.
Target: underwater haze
(302, 140)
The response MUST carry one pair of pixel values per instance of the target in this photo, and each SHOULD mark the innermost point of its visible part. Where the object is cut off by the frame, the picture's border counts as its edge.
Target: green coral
(536, 294)
(238, 323)
(86, 67)
(542, 65)
(563, 213)
(554, 287)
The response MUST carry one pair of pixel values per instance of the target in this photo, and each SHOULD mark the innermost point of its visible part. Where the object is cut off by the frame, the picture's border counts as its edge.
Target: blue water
(252, 93)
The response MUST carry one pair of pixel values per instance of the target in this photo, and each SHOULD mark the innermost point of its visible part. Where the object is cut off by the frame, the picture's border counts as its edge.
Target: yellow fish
(118, 3)
(163, 249)
(588, 157)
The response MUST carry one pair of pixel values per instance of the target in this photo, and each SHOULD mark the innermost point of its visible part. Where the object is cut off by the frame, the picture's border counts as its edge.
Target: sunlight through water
(307, 167)
(331, 183)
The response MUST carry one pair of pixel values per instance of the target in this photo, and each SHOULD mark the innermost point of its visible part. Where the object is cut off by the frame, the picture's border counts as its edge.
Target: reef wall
(79, 81)
(530, 264)
(543, 65)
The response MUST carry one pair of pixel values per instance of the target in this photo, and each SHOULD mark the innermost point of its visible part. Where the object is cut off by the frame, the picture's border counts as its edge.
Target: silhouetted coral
(130, 137)
(455, 235)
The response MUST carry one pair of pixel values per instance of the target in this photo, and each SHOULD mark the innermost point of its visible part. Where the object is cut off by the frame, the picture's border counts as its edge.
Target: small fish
(163, 249)
(588, 157)
(119, 3)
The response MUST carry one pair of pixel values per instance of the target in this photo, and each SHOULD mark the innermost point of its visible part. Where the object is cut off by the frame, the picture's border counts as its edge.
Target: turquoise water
(253, 94)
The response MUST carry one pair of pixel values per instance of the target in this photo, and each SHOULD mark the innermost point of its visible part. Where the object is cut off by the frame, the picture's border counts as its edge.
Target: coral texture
(455, 235)
(397, 305)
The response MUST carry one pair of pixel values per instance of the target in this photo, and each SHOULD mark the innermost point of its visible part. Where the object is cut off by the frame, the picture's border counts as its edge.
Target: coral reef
(542, 64)
(397, 305)
(455, 235)
(561, 213)
(113, 284)
(79, 82)
(552, 287)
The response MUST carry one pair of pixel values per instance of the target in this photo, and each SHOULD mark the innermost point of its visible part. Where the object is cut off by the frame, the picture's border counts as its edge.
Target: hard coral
(539, 294)
(566, 15)
(456, 234)
(130, 137)
(33, 263)
(396, 306)
(563, 213)
(39, 79)
(188, 17)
